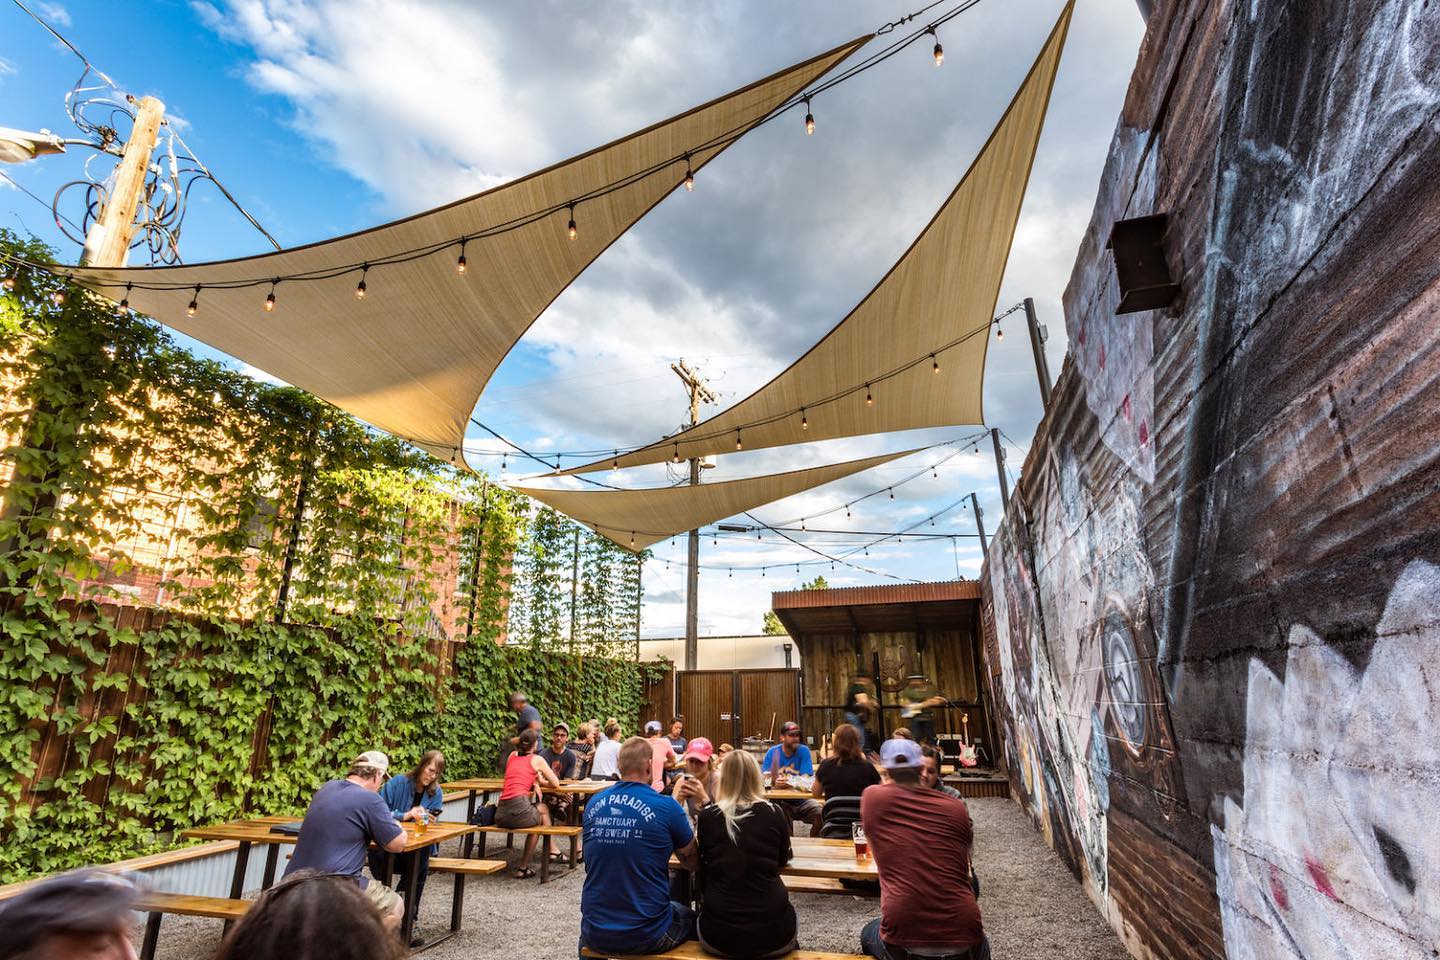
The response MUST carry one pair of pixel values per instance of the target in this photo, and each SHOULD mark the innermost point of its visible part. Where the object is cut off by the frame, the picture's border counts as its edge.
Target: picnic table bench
(546, 834)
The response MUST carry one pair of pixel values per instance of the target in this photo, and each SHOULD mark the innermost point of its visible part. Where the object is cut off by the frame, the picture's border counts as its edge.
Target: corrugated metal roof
(863, 596)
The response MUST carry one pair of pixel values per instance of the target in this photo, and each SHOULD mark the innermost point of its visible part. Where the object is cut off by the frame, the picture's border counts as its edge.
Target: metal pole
(979, 524)
(1038, 337)
(1000, 466)
(692, 582)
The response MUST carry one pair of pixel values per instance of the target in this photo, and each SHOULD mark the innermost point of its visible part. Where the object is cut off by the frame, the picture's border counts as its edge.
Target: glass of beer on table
(862, 846)
(422, 823)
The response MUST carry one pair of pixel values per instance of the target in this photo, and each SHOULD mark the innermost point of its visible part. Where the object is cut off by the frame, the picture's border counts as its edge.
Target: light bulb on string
(738, 444)
(9, 282)
(935, 471)
(124, 302)
(632, 539)
(59, 297)
(194, 306)
(934, 364)
(732, 573)
(892, 493)
(689, 175)
(503, 466)
(270, 297)
(802, 524)
(847, 511)
(869, 400)
(939, 52)
(809, 119)
(615, 464)
(460, 264)
(999, 334)
(571, 228)
(676, 458)
(804, 421)
(360, 287)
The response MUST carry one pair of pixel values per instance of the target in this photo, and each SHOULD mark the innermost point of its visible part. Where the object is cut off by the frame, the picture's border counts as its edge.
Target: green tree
(771, 626)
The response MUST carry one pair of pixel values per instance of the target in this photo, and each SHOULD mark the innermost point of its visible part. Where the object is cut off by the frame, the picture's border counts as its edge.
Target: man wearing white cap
(343, 818)
(920, 840)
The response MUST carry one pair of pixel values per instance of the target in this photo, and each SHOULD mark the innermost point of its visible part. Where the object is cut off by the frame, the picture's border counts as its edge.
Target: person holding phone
(413, 796)
(697, 781)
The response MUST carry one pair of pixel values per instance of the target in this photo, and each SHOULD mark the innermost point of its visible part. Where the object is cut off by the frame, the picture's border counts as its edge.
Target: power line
(23, 189)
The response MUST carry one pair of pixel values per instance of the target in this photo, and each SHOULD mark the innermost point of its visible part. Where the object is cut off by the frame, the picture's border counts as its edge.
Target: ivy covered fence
(214, 592)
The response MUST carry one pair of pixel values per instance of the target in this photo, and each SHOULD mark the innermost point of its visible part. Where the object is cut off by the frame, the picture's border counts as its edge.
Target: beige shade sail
(637, 518)
(939, 297)
(413, 355)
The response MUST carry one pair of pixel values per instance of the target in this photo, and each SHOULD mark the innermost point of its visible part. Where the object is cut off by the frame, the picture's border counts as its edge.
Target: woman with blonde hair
(744, 844)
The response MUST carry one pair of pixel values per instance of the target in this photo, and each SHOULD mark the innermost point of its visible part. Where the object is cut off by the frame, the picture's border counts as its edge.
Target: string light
(804, 423)
(738, 444)
(892, 493)
(124, 302)
(869, 400)
(999, 334)
(847, 511)
(934, 364)
(732, 573)
(360, 287)
(571, 229)
(503, 466)
(194, 306)
(632, 538)
(802, 524)
(676, 458)
(460, 261)
(939, 50)
(809, 119)
(615, 464)
(270, 297)
(935, 472)
(689, 175)
(9, 282)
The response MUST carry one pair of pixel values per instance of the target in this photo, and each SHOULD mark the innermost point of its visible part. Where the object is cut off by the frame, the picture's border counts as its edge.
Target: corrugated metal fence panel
(210, 876)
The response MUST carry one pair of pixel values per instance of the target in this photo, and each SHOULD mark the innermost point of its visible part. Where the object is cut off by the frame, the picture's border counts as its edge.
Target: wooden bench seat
(826, 885)
(690, 950)
(546, 835)
(463, 868)
(183, 904)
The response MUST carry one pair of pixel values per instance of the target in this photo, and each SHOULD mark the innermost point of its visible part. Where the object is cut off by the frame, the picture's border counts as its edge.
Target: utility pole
(1000, 467)
(698, 391)
(979, 524)
(108, 242)
(1038, 336)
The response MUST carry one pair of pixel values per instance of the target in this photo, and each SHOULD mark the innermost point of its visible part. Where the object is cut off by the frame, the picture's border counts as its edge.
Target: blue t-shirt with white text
(630, 833)
(799, 761)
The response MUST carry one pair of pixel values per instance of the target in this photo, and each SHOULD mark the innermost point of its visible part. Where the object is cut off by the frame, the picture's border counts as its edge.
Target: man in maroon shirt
(920, 840)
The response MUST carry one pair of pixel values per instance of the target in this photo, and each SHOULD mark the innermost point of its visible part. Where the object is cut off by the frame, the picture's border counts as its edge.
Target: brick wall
(1216, 586)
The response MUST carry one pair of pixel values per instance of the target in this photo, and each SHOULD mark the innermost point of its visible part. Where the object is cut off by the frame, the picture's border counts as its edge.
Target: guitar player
(918, 700)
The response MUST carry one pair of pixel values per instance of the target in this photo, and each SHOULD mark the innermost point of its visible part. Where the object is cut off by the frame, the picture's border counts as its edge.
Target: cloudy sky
(326, 117)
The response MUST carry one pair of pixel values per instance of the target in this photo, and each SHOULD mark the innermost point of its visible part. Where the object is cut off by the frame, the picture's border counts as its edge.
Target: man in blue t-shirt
(630, 833)
(787, 757)
(343, 818)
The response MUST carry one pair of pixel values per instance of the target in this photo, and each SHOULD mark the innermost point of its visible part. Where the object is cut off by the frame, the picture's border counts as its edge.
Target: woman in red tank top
(520, 805)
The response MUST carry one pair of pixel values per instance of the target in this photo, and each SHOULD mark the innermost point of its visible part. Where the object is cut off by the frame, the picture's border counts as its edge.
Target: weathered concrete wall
(1213, 611)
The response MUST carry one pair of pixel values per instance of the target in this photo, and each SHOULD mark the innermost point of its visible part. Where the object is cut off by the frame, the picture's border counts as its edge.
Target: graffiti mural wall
(1214, 604)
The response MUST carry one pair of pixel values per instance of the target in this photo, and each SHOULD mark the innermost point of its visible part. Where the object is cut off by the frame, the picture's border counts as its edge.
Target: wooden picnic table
(253, 830)
(786, 793)
(482, 787)
(817, 857)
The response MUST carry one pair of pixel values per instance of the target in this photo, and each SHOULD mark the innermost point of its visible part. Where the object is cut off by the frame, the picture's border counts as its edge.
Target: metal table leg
(412, 900)
(237, 882)
(272, 859)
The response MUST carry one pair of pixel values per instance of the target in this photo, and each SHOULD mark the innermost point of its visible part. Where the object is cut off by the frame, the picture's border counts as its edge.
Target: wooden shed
(889, 633)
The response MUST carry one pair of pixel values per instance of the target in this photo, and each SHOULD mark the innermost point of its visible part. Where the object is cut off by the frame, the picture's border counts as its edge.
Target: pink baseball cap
(700, 749)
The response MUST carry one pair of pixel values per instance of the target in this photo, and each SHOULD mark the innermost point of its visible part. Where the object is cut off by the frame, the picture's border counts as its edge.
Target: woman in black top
(847, 772)
(745, 912)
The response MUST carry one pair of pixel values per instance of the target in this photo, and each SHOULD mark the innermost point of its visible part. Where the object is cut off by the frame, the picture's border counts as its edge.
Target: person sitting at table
(744, 844)
(563, 763)
(920, 840)
(790, 758)
(930, 773)
(343, 819)
(583, 746)
(901, 733)
(607, 755)
(519, 806)
(84, 914)
(662, 755)
(415, 797)
(724, 750)
(846, 772)
(630, 832)
(699, 778)
(310, 916)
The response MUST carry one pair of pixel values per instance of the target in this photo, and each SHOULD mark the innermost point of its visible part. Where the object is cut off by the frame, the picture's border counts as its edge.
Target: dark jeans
(404, 863)
(870, 943)
(682, 928)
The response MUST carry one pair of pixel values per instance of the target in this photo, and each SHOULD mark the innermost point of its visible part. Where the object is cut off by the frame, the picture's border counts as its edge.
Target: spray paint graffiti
(1078, 685)
(1336, 851)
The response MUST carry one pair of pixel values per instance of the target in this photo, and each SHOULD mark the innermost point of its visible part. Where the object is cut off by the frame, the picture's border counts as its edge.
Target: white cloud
(53, 12)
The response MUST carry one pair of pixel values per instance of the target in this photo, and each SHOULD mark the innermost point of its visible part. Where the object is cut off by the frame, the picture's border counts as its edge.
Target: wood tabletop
(474, 783)
(257, 830)
(785, 793)
(816, 857)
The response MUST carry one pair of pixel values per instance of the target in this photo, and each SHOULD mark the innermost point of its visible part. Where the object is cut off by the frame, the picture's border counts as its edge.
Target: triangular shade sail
(939, 297)
(637, 518)
(412, 357)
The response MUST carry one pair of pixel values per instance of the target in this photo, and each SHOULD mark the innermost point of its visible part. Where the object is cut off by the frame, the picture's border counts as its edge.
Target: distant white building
(726, 653)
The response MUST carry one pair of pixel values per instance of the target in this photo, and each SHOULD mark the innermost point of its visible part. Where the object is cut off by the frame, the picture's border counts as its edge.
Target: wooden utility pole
(979, 524)
(1000, 467)
(108, 242)
(1038, 337)
(698, 391)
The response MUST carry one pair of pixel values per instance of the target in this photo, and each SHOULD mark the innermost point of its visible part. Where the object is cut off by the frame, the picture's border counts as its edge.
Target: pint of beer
(862, 847)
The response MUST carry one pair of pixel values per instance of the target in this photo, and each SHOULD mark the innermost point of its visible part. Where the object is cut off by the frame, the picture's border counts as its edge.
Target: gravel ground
(1031, 905)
